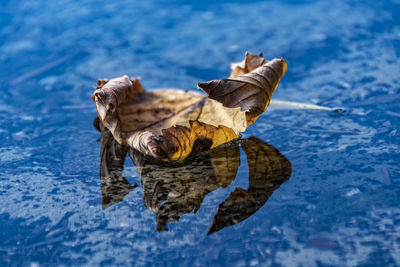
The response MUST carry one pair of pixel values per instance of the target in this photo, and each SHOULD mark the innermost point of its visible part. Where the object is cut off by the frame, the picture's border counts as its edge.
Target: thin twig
(279, 104)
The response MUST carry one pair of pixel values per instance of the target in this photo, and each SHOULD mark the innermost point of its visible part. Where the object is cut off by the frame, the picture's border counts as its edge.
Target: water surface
(340, 204)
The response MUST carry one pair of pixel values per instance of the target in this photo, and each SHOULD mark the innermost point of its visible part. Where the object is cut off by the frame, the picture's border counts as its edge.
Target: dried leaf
(170, 125)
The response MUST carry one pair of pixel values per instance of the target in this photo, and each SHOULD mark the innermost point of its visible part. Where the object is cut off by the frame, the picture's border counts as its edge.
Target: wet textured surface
(340, 205)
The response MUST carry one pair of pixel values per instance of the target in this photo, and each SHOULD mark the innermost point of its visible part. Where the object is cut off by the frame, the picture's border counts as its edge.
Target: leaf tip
(204, 86)
(284, 65)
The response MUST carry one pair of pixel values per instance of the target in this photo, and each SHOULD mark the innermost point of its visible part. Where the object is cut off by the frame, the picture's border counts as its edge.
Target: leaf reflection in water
(172, 189)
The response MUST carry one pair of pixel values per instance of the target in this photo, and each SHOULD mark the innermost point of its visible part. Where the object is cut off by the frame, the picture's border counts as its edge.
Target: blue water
(340, 205)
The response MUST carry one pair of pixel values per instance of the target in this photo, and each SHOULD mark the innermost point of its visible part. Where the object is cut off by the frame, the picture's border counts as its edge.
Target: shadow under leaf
(172, 189)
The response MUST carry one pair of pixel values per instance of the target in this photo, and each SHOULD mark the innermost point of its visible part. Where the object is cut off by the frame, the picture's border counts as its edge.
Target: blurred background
(340, 206)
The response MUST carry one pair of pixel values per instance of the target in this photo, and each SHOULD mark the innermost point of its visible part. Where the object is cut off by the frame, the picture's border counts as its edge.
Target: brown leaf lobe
(250, 91)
